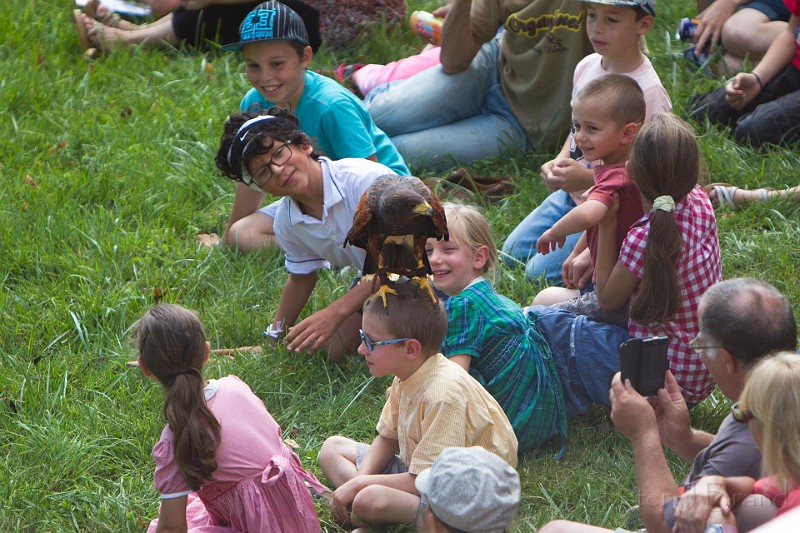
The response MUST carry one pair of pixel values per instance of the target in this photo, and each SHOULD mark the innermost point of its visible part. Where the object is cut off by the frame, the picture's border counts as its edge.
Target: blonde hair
(469, 226)
(772, 394)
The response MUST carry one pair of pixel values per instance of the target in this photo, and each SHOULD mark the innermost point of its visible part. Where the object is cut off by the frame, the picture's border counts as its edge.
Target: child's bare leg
(554, 295)
(337, 457)
(378, 504)
(346, 339)
(753, 511)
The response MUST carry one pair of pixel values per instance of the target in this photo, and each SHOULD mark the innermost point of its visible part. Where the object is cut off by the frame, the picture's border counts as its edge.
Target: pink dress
(259, 482)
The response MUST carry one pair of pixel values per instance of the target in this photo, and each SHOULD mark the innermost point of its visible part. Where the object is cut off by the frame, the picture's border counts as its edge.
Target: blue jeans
(438, 120)
(521, 243)
(586, 354)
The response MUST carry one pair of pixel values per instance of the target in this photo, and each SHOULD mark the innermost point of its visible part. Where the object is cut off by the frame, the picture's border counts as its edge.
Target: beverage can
(427, 26)
(686, 29)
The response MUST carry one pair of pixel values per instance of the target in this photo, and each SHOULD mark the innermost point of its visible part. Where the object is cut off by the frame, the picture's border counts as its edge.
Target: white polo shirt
(310, 243)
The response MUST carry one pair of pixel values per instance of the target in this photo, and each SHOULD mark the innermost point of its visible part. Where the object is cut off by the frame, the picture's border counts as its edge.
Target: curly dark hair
(232, 154)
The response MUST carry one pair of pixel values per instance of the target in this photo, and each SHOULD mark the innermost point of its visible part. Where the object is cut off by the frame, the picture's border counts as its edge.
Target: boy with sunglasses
(432, 405)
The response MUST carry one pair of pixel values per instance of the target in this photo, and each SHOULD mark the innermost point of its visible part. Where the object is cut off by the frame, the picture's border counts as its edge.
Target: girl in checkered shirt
(665, 264)
(671, 255)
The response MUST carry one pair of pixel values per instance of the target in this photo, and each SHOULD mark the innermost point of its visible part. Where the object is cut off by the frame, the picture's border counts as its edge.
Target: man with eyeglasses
(741, 321)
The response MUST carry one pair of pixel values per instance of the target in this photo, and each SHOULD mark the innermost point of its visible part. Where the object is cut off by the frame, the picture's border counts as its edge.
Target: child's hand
(549, 242)
(311, 333)
(342, 501)
(566, 174)
(741, 90)
(577, 270)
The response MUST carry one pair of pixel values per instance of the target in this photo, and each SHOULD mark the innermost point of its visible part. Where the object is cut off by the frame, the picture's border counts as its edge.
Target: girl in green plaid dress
(490, 336)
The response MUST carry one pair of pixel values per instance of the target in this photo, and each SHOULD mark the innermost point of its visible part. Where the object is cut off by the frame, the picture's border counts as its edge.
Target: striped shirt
(440, 406)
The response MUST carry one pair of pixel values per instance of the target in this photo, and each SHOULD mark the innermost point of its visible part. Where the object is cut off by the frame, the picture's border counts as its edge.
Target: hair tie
(190, 370)
(664, 203)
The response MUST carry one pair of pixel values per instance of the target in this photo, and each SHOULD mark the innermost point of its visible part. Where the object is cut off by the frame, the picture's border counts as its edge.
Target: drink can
(686, 28)
(427, 26)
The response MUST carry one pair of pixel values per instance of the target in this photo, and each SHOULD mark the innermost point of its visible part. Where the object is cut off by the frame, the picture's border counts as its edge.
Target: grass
(107, 176)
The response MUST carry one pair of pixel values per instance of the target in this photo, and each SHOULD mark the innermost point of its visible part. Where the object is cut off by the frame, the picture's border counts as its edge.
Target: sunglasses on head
(741, 415)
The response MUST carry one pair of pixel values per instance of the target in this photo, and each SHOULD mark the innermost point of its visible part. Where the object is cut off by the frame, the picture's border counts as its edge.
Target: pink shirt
(786, 501)
(259, 484)
(698, 268)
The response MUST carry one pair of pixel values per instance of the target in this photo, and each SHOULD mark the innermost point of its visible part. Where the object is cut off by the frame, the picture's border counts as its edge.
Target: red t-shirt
(610, 179)
(794, 7)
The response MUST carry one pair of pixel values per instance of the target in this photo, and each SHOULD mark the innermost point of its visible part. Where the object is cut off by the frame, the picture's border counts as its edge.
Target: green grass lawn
(107, 176)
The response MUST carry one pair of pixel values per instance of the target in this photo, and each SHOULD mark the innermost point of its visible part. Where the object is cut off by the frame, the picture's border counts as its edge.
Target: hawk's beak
(423, 209)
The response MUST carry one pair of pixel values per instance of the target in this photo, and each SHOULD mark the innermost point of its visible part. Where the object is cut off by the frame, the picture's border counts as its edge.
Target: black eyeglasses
(279, 158)
(371, 344)
(741, 415)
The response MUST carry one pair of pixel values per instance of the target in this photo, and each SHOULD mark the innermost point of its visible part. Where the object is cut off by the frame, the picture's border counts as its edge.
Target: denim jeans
(521, 243)
(586, 354)
(438, 120)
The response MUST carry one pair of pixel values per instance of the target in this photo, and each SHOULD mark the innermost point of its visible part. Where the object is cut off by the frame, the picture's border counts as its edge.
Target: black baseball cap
(276, 21)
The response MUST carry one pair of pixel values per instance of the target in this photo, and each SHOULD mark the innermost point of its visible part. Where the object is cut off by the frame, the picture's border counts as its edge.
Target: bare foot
(208, 240)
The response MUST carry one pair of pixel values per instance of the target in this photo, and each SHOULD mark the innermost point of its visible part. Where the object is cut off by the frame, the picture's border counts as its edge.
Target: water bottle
(427, 26)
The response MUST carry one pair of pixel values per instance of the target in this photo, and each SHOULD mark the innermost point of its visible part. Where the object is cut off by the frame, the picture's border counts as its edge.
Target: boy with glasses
(432, 405)
(268, 152)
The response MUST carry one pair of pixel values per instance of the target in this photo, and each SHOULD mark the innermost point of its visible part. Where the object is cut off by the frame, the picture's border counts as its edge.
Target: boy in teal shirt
(274, 43)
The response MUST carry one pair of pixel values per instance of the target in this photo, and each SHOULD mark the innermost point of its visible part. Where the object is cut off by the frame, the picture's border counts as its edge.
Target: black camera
(644, 362)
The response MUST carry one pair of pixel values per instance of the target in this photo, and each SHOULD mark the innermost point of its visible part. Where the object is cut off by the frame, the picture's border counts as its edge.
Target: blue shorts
(773, 9)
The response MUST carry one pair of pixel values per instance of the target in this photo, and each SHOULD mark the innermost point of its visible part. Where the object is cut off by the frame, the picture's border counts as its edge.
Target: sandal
(724, 194)
(108, 18)
(80, 27)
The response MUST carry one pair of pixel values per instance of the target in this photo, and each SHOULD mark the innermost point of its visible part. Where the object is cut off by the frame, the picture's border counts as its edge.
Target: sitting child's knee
(336, 446)
(372, 503)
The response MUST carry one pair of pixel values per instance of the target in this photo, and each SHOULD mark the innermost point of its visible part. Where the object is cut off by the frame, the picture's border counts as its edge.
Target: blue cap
(270, 21)
(649, 6)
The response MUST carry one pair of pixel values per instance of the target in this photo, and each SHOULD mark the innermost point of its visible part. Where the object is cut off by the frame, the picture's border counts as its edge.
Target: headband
(239, 147)
(664, 203)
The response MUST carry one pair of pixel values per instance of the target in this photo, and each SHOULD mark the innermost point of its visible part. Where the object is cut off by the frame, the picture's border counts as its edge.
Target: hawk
(394, 218)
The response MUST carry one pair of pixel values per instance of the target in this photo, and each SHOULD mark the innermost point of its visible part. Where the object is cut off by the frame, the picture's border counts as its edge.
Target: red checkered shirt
(698, 268)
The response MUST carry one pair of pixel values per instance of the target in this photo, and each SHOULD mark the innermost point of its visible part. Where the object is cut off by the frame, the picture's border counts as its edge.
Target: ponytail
(196, 429)
(172, 345)
(659, 292)
(664, 163)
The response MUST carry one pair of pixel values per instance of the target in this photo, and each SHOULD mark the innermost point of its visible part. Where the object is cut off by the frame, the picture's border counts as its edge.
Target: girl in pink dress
(221, 464)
